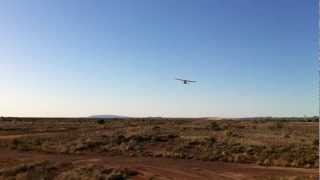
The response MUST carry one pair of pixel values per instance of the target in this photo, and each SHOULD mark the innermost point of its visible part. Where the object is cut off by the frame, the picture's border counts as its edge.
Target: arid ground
(159, 148)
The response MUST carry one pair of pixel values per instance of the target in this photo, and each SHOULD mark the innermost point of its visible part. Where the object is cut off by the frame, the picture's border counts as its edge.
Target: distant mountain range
(107, 116)
(111, 116)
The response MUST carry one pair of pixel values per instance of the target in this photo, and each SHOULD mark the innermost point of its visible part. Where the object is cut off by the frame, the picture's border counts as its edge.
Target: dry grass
(267, 142)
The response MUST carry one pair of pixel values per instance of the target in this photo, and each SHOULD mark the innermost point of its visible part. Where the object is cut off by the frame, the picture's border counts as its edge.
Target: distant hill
(107, 116)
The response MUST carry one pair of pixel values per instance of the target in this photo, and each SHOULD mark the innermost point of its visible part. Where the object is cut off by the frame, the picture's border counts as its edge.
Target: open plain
(159, 148)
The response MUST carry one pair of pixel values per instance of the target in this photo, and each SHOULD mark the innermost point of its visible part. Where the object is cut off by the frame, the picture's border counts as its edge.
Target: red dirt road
(162, 168)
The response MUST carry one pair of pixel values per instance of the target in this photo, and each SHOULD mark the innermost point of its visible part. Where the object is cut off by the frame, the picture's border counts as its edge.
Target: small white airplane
(185, 81)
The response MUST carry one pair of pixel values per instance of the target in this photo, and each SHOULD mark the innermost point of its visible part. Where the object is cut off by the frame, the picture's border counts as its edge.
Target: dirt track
(162, 168)
(156, 167)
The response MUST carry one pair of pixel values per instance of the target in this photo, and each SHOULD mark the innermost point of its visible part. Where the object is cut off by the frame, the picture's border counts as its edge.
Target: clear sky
(81, 57)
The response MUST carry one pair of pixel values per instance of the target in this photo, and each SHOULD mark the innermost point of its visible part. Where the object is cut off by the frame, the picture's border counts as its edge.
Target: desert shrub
(231, 134)
(214, 126)
(241, 158)
(98, 172)
(118, 139)
(211, 141)
(38, 171)
(228, 133)
(155, 128)
(310, 119)
(316, 142)
(163, 138)
(292, 156)
(101, 121)
(276, 125)
(140, 138)
(315, 119)
(26, 144)
(287, 135)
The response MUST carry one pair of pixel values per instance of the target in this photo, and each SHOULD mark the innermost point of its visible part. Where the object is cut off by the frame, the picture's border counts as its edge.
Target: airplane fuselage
(185, 81)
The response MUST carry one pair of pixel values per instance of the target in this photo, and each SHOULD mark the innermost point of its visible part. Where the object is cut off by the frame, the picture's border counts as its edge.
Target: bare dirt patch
(158, 149)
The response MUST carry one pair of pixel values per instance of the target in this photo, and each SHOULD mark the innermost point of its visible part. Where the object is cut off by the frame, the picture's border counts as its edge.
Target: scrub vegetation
(283, 142)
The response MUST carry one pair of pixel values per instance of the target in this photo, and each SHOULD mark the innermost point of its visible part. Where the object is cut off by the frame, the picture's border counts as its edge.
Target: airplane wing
(179, 79)
(191, 81)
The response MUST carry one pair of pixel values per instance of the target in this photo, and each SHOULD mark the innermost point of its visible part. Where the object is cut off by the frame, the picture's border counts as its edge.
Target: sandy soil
(162, 168)
(147, 167)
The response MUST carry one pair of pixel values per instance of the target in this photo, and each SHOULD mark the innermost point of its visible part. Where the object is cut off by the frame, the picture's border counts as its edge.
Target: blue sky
(79, 57)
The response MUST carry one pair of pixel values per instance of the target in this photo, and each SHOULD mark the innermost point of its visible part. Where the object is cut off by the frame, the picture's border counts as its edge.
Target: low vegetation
(46, 170)
(266, 142)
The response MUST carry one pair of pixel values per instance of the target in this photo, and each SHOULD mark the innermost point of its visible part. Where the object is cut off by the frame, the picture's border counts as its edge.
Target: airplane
(185, 81)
